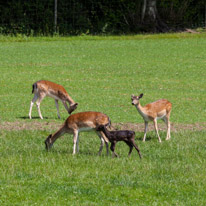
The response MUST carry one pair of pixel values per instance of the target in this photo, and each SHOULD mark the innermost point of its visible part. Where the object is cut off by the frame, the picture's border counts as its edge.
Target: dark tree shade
(36, 17)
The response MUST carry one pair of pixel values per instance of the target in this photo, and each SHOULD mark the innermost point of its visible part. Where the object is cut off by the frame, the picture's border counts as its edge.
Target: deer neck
(141, 110)
(106, 132)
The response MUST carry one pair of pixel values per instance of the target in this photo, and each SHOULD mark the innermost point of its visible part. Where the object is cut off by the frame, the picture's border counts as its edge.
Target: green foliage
(179, 14)
(94, 17)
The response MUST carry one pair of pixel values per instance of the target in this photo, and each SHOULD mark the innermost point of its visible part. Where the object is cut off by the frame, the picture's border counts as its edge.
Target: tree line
(72, 17)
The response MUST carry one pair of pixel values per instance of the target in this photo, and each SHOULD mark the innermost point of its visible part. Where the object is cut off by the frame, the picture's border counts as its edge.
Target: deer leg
(41, 97)
(75, 141)
(77, 145)
(136, 147)
(130, 147)
(169, 135)
(145, 130)
(57, 106)
(156, 129)
(112, 147)
(168, 129)
(167, 122)
(101, 146)
(103, 139)
(32, 103)
(114, 154)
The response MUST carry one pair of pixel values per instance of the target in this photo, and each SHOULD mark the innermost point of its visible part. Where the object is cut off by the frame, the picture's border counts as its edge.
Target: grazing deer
(79, 122)
(45, 88)
(159, 109)
(127, 136)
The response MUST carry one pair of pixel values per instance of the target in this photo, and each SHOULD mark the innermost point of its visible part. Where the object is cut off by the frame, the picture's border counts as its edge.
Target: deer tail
(34, 86)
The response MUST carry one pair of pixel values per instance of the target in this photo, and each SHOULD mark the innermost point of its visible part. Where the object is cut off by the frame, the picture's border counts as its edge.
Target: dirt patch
(33, 125)
(36, 125)
(175, 127)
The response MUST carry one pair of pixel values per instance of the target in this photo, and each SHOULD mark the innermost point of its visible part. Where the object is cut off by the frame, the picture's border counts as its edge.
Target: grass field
(101, 73)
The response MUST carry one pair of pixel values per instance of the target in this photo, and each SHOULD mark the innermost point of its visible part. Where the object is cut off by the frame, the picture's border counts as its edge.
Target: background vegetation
(101, 73)
(98, 17)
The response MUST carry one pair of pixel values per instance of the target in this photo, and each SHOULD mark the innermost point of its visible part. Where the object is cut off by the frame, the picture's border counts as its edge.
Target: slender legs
(38, 102)
(145, 130)
(76, 143)
(112, 147)
(40, 97)
(133, 144)
(168, 130)
(156, 129)
(57, 106)
(75, 140)
(167, 122)
(32, 103)
(103, 140)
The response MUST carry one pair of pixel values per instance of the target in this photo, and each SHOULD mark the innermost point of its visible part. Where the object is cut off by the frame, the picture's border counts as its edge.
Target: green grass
(101, 73)
(171, 173)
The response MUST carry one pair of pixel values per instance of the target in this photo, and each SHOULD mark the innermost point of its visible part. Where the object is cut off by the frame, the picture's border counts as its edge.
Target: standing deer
(127, 136)
(45, 88)
(159, 109)
(79, 122)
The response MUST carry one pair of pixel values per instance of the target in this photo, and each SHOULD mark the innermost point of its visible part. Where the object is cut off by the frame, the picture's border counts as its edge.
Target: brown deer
(159, 109)
(79, 122)
(45, 88)
(127, 136)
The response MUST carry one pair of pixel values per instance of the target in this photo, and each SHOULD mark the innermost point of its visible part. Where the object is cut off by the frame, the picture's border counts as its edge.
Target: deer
(79, 122)
(159, 109)
(127, 136)
(44, 88)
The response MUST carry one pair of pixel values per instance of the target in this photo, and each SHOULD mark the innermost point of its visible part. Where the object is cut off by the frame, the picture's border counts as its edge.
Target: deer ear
(141, 95)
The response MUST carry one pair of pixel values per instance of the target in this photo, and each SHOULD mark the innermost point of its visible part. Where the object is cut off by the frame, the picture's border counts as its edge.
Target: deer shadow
(26, 117)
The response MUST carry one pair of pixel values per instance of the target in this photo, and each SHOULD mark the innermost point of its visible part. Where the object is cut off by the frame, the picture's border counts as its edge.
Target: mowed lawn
(101, 73)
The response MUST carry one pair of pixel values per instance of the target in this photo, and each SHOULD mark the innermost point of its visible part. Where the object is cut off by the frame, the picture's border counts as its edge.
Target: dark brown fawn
(120, 135)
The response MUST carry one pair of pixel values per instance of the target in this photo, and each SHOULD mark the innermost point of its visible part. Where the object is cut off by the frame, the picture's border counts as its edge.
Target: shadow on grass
(26, 117)
(140, 138)
(80, 153)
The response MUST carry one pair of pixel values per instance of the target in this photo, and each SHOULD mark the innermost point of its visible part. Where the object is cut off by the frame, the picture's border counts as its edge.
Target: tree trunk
(151, 21)
(55, 16)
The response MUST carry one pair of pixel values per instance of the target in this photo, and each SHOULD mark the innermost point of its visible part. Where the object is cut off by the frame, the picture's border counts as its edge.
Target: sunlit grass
(101, 73)
(169, 173)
